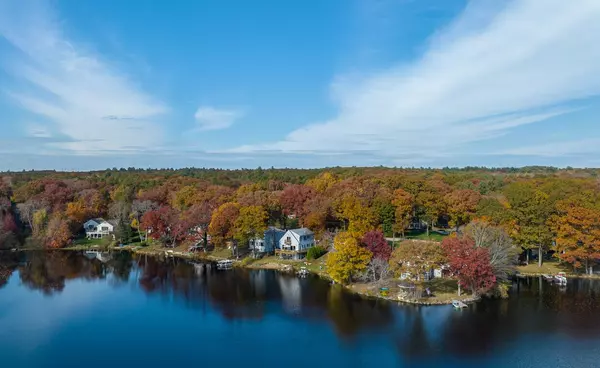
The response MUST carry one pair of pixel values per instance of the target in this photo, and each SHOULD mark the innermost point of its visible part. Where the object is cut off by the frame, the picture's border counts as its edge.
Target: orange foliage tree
(577, 229)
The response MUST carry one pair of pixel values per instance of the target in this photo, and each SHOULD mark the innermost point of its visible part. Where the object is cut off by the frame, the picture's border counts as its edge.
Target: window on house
(104, 228)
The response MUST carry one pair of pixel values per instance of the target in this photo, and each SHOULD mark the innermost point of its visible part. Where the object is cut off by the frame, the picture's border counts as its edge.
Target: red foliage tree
(8, 224)
(376, 243)
(293, 199)
(165, 225)
(58, 233)
(470, 264)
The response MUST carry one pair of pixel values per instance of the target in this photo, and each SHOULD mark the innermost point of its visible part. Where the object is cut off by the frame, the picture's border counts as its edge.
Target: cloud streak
(70, 89)
(494, 69)
(210, 118)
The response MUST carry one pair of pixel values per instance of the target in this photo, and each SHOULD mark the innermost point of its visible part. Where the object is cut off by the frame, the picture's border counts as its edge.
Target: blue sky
(231, 83)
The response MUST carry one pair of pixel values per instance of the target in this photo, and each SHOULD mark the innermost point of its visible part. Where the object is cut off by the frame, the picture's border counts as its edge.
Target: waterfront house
(268, 243)
(295, 243)
(98, 228)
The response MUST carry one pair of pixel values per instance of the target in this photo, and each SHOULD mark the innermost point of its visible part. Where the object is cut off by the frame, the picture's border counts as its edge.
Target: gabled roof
(273, 228)
(97, 220)
(302, 231)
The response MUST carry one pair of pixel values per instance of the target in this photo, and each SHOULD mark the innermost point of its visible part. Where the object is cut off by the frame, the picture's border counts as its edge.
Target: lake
(68, 309)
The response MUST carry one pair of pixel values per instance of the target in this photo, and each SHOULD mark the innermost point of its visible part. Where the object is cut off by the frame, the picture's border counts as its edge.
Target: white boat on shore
(303, 272)
(225, 264)
(457, 304)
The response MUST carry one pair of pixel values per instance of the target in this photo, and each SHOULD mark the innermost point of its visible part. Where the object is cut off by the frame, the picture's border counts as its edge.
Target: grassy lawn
(548, 267)
(422, 235)
(89, 242)
(444, 290)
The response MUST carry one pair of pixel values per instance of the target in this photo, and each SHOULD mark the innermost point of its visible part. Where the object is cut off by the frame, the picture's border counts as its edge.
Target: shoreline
(363, 290)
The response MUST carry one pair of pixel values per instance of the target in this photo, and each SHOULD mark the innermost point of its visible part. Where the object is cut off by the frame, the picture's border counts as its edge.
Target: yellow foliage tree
(76, 211)
(222, 223)
(184, 198)
(250, 224)
(348, 258)
(322, 182)
(40, 219)
(577, 233)
(361, 219)
(404, 203)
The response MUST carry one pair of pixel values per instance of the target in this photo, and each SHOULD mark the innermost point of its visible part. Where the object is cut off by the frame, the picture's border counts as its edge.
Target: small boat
(225, 264)
(548, 277)
(458, 304)
(303, 272)
(560, 279)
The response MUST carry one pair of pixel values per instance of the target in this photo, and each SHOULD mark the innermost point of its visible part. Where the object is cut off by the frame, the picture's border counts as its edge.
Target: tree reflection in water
(8, 264)
(534, 308)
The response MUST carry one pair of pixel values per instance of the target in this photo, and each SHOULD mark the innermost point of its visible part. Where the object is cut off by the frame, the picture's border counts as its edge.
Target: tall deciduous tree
(577, 228)
(40, 219)
(164, 224)
(347, 259)
(462, 206)
(404, 203)
(375, 242)
(503, 252)
(360, 218)
(77, 212)
(430, 202)
(250, 224)
(530, 209)
(293, 199)
(58, 233)
(200, 215)
(222, 223)
(322, 182)
(470, 264)
(184, 198)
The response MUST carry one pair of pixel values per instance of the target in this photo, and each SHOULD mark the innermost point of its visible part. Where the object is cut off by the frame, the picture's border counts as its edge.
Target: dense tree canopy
(536, 207)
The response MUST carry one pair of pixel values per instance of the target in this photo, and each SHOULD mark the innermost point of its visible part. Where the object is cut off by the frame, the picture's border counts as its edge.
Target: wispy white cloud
(38, 131)
(557, 149)
(495, 68)
(72, 89)
(210, 118)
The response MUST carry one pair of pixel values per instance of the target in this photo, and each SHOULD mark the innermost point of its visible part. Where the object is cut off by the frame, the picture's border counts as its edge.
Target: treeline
(538, 207)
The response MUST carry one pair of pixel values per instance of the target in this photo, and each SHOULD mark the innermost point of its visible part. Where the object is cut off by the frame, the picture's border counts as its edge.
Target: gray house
(268, 243)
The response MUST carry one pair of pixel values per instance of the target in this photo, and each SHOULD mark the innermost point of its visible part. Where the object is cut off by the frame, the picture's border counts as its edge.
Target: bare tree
(27, 209)
(503, 253)
(119, 210)
(378, 269)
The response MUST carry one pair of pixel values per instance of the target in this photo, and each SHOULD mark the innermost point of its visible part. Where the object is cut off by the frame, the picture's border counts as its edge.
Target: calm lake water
(66, 309)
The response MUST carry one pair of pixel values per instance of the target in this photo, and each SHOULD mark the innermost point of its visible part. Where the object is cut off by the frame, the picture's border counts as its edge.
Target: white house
(98, 228)
(269, 242)
(295, 243)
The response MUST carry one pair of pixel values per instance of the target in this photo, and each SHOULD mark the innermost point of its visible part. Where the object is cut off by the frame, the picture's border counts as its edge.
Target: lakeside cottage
(295, 243)
(98, 228)
(268, 243)
(432, 273)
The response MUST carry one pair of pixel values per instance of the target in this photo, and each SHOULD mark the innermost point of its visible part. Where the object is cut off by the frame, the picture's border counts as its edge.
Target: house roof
(302, 231)
(97, 220)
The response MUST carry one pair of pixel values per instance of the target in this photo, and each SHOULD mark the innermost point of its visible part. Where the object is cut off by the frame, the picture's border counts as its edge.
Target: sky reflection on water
(59, 308)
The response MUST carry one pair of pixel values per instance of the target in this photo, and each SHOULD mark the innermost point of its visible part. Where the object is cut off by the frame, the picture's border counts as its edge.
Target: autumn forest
(366, 218)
